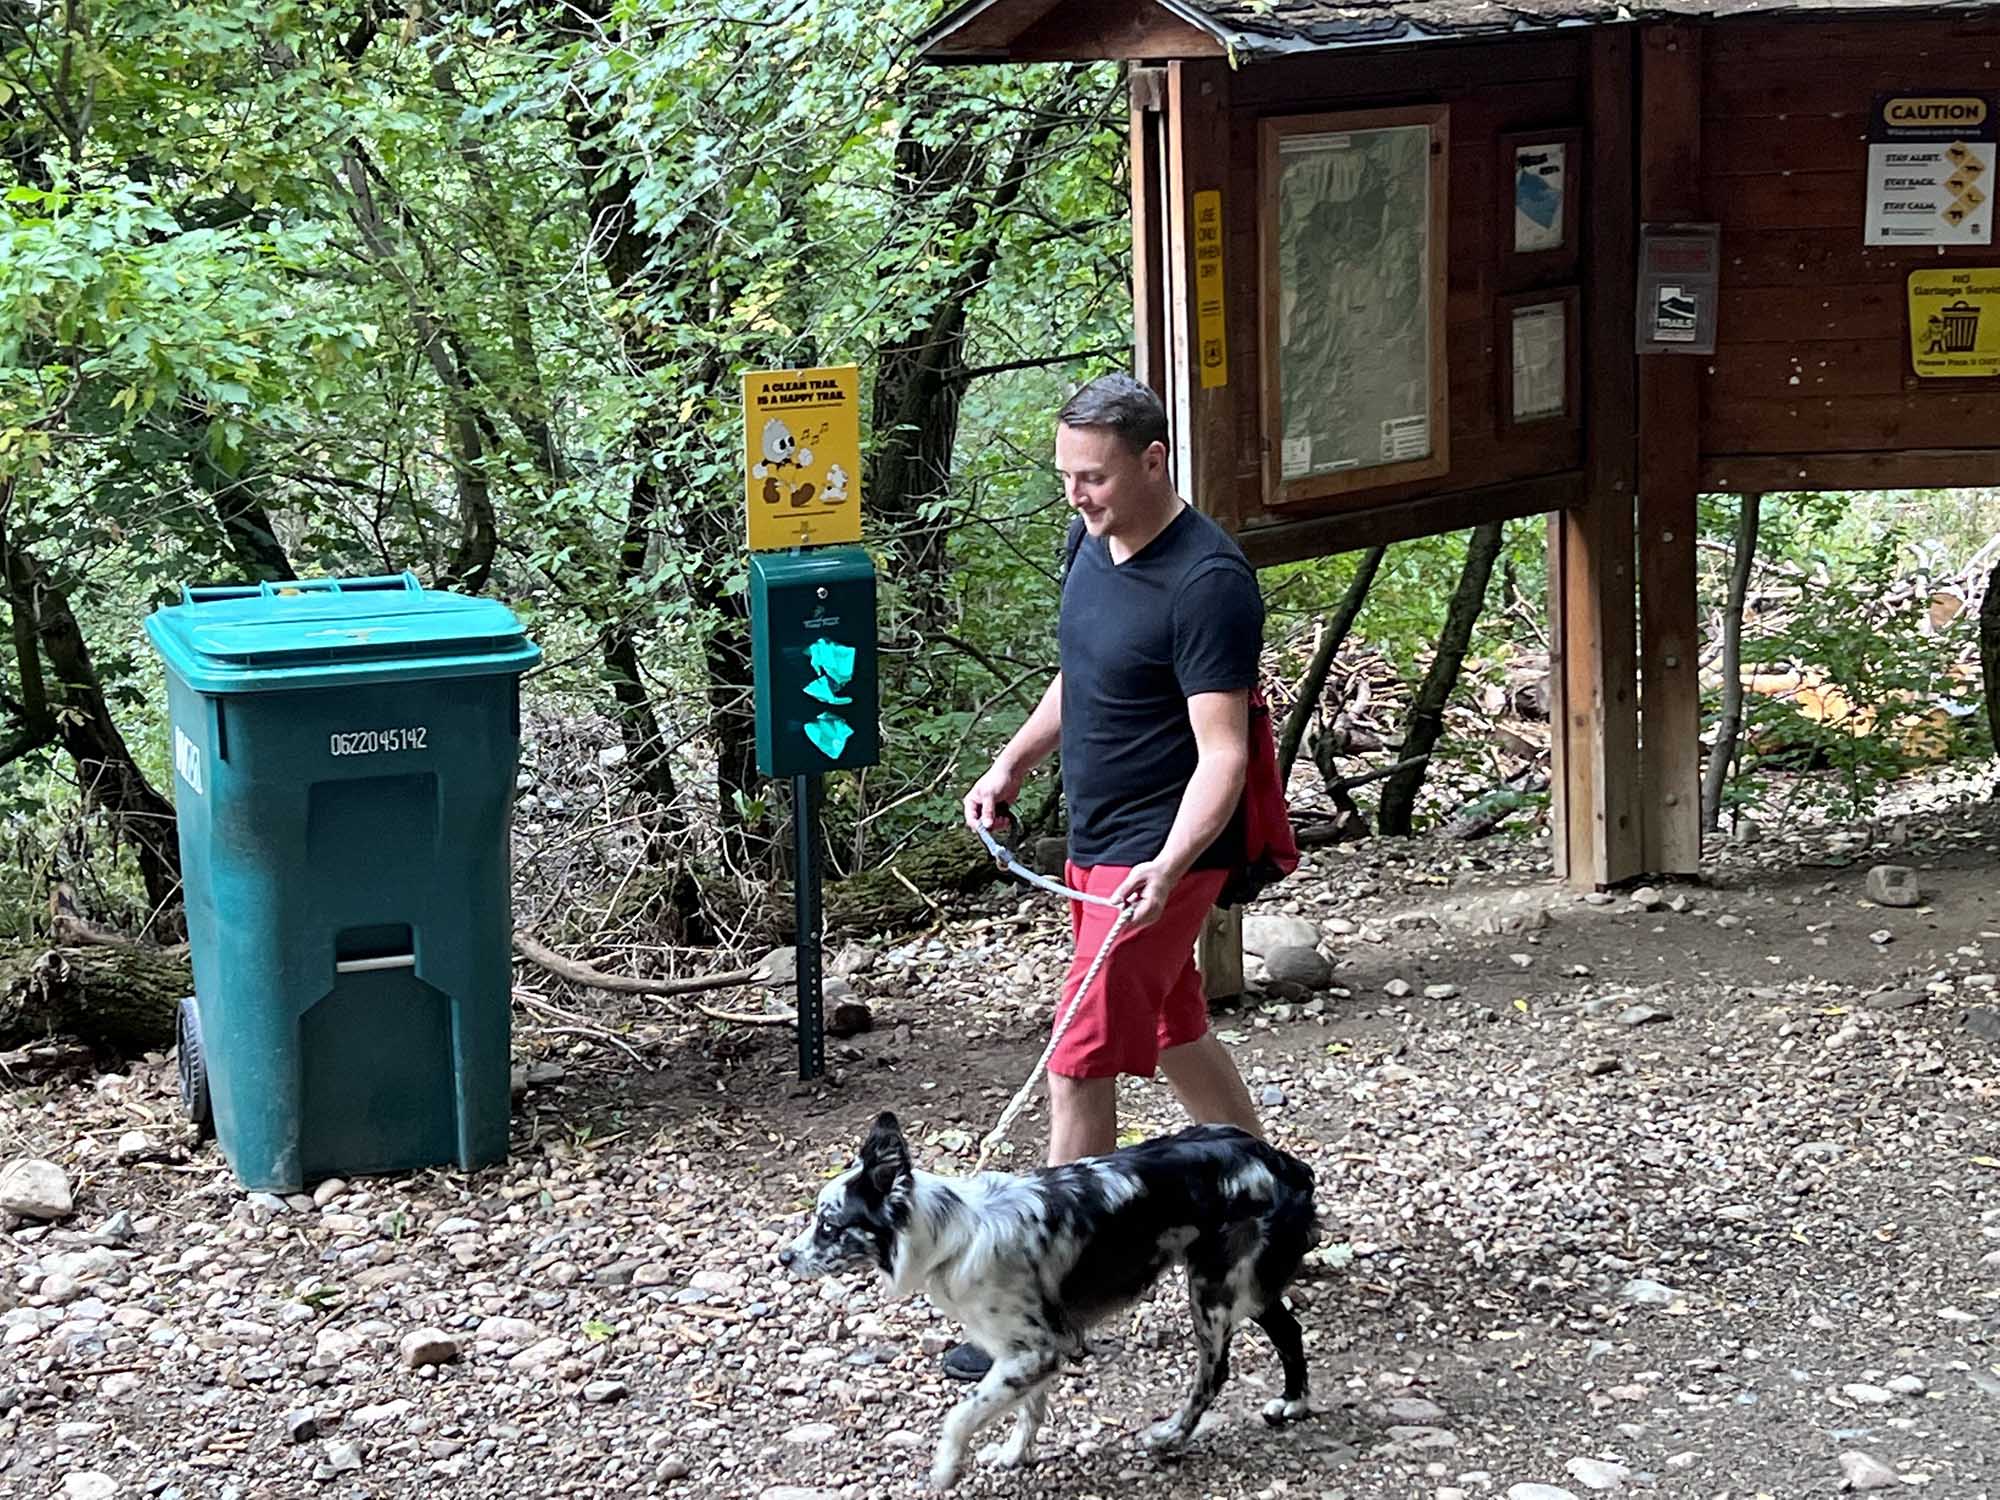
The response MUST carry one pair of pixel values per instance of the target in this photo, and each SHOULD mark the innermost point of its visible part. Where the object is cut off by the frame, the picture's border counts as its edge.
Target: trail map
(1354, 308)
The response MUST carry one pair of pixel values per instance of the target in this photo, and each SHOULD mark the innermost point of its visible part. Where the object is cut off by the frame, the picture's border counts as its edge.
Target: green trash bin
(344, 762)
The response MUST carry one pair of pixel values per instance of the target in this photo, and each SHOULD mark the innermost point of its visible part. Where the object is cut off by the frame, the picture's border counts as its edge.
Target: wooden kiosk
(1407, 266)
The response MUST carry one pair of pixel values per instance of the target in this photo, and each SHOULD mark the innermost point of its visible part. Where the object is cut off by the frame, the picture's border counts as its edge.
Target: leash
(1005, 859)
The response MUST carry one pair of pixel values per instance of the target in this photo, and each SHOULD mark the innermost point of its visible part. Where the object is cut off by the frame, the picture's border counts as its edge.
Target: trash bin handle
(370, 965)
(208, 593)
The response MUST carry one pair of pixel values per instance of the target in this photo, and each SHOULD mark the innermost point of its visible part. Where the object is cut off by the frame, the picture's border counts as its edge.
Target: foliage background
(467, 288)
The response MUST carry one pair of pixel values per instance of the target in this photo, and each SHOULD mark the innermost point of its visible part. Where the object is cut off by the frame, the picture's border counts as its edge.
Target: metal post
(805, 906)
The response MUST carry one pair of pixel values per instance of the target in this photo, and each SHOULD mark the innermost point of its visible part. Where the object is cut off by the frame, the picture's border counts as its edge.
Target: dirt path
(1710, 1196)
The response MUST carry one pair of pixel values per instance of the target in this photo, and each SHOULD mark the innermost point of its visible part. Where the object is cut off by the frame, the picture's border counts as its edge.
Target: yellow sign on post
(1955, 323)
(1211, 336)
(802, 456)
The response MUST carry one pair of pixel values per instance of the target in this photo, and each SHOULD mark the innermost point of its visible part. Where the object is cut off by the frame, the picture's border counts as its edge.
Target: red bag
(1270, 848)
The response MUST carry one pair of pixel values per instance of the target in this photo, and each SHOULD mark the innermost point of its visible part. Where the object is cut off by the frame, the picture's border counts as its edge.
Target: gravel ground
(1693, 1194)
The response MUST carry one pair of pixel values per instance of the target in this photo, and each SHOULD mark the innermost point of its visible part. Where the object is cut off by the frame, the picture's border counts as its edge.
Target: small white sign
(1541, 346)
(1406, 438)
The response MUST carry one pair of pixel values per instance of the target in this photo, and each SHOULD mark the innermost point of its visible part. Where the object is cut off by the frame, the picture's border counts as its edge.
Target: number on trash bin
(377, 741)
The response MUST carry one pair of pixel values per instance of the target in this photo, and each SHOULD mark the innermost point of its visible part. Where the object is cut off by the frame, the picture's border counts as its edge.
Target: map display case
(1353, 232)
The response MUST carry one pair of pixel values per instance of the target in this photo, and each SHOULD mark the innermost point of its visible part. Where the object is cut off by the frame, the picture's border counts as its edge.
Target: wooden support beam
(1204, 414)
(1594, 723)
(1025, 31)
(1218, 953)
(1088, 30)
(1150, 347)
(1670, 191)
(1380, 525)
(1911, 469)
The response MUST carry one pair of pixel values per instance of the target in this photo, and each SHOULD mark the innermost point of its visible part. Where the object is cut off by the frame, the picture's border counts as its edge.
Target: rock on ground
(35, 1189)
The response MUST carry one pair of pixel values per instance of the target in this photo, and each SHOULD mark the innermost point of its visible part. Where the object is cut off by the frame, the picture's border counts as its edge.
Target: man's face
(1105, 482)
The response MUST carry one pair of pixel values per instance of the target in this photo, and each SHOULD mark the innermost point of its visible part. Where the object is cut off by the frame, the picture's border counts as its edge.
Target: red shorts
(1148, 996)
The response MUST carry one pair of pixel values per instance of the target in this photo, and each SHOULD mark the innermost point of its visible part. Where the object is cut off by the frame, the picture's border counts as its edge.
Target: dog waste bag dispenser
(344, 755)
(812, 626)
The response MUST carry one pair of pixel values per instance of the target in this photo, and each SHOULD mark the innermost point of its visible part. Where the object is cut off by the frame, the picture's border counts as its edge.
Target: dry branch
(627, 984)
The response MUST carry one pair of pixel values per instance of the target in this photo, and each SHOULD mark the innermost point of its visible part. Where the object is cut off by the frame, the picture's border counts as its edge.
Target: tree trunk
(468, 440)
(646, 747)
(920, 377)
(1332, 634)
(641, 266)
(625, 251)
(1730, 727)
(917, 395)
(1426, 721)
(247, 533)
(119, 998)
(111, 780)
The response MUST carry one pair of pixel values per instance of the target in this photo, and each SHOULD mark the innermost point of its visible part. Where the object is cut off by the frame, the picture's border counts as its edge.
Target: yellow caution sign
(1211, 322)
(1955, 323)
(802, 456)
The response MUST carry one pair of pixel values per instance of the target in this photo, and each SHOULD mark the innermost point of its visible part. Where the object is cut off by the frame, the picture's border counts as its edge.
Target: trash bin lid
(321, 632)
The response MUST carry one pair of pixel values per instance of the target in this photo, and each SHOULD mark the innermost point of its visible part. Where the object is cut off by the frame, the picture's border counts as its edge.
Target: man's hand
(985, 804)
(1146, 889)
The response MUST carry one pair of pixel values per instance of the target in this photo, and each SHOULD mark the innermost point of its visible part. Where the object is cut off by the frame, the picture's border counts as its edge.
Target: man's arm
(1221, 723)
(1034, 742)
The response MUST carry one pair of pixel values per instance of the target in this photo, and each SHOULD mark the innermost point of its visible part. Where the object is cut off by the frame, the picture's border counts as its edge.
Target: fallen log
(893, 897)
(121, 999)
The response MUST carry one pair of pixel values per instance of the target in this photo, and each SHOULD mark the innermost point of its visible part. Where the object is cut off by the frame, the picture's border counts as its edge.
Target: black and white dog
(1027, 1263)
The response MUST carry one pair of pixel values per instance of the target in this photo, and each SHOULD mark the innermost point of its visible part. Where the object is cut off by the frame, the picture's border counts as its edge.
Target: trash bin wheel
(193, 1072)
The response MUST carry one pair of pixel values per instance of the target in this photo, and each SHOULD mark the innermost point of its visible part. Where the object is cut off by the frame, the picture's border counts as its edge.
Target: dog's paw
(943, 1477)
(1003, 1455)
(1164, 1438)
(1279, 1411)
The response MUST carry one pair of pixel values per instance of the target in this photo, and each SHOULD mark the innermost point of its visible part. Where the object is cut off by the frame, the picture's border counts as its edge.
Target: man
(1160, 631)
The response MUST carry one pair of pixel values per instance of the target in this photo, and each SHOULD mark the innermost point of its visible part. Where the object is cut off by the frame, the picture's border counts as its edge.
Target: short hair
(1123, 405)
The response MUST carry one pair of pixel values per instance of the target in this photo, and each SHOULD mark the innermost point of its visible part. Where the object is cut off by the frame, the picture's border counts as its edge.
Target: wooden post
(1218, 953)
(1669, 475)
(1593, 668)
(1204, 414)
(1150, 346)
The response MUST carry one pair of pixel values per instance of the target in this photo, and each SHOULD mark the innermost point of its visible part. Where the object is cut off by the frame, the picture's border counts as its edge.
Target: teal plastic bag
(829, 735)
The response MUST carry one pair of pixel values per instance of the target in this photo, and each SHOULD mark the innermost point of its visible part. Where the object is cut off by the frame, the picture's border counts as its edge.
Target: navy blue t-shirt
(1180, 617)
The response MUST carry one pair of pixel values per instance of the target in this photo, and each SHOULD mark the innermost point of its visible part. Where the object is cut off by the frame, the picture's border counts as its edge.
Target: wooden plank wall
(1810, 383)
(1491, 88)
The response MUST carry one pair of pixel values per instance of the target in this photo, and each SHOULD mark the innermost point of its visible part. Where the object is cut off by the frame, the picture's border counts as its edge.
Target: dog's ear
(885, 1155)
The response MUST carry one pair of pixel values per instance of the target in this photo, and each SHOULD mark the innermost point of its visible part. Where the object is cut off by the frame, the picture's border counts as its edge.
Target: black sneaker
(966, 1362)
